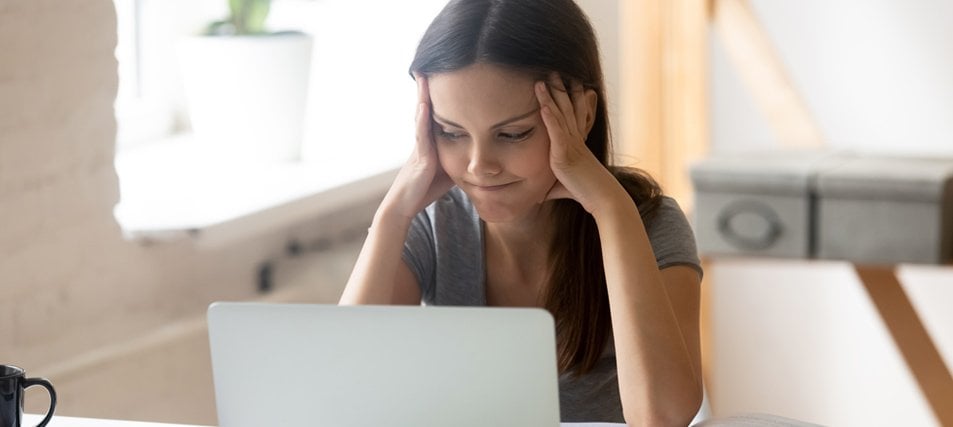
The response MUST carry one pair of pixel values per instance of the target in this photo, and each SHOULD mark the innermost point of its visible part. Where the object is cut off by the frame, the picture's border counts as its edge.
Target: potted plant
(246, 87)
(246, 17)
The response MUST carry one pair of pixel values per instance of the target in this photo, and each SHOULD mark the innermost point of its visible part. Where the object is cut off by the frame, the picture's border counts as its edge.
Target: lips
(498, 187)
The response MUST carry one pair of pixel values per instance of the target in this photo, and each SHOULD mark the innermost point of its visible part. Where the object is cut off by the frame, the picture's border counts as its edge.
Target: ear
(591, 100)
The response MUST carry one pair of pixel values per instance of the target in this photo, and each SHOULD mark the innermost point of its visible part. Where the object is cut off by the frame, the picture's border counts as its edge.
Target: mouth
(492, 188)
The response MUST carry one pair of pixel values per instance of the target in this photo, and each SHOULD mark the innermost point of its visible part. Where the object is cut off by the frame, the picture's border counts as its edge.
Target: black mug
(13, 382)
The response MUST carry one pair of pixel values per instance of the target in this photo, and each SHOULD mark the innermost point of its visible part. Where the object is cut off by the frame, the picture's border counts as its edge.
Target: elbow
(676, 411)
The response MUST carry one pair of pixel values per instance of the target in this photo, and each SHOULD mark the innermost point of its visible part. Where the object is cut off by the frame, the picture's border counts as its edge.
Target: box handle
(748, 242)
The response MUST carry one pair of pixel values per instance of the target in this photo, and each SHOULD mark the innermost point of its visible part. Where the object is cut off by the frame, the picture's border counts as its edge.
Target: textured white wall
(71, 289)
(57, 185)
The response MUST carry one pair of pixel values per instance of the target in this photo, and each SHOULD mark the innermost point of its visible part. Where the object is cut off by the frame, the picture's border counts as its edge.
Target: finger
(561, 96)
(424, 146)
(549, 111)
(423, 88)
(580, 108)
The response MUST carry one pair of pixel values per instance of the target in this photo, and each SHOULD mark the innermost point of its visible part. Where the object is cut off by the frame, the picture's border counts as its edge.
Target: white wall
(802, 339)
(604, 16)
(876, 74)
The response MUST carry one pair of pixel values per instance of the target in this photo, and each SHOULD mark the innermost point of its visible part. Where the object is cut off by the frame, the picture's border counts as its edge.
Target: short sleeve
(420, 252)
(671, 237)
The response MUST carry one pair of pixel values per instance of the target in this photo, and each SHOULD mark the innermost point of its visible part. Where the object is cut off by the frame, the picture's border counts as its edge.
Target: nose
(483, 160)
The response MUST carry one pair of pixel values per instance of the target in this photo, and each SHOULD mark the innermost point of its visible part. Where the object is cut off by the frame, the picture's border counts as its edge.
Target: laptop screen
(308, 364)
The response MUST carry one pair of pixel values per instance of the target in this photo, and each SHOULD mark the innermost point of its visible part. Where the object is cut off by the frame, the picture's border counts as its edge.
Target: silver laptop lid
(325, 365)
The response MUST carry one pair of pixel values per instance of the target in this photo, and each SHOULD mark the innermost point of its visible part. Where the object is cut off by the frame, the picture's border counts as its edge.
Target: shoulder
(641, 187)
(453, 207)
(447, 214)
(666, 215)
(450, 233)
(669, 210)
(452, 217)
(671, 236)
(443, 248)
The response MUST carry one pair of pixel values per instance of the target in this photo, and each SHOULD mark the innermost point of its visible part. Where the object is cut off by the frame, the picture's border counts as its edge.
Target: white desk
(57, 421)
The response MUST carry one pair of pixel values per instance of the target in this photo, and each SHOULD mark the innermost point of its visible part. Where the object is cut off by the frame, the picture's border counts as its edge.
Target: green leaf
(257, 14)
(248, 16)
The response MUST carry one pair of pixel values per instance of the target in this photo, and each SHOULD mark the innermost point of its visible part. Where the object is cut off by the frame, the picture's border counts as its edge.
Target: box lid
(919, 179)
(774, 172)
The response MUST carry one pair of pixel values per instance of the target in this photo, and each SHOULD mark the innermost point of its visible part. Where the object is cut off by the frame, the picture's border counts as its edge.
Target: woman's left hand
(579, 174)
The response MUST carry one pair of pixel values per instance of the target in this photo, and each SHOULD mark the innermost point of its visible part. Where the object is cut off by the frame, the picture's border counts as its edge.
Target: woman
(509, 200)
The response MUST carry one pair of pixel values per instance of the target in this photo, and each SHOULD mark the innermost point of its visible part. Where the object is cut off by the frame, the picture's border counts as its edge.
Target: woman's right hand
(380, 276)
(421, 180)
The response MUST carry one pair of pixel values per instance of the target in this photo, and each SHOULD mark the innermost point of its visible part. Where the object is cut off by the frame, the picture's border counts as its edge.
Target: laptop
(326, 365)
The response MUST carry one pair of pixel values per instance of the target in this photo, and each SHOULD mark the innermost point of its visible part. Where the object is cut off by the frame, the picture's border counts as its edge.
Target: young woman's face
(491, 139)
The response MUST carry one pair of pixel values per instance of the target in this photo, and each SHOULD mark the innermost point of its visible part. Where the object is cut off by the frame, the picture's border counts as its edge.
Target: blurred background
(125, 212)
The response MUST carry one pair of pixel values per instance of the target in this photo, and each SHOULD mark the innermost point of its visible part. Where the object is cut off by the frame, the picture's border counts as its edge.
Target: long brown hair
(539, 37)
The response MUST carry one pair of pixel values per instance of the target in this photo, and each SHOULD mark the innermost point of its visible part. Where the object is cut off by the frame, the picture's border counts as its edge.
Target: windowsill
(174, 190)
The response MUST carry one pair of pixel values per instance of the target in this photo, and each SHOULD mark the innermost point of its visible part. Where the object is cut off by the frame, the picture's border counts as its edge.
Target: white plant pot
(247, 94)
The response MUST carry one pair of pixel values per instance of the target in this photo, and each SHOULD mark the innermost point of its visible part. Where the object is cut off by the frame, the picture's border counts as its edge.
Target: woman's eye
(516, 137)
(443, 133)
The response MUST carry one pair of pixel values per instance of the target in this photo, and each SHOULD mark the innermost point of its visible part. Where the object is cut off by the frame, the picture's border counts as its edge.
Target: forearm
(657, 378)
(372, 279)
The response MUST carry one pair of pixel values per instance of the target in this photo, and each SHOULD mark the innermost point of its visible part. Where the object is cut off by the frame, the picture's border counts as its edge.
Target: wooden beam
(762, 72)
(911, 337)
(684, 94)
(638, 142)
(663, 87)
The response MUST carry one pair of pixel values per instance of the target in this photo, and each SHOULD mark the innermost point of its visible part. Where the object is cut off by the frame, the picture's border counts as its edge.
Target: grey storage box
(757, 203)
(886, 210)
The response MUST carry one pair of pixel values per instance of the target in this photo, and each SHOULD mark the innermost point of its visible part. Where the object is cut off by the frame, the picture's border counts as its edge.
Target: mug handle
(30, 382)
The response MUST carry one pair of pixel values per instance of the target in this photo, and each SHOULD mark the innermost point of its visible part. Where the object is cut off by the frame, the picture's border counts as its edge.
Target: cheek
(450, 160)
(537, 156)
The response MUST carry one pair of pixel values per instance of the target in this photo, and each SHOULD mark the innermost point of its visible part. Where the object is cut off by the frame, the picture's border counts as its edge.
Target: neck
(525, 241)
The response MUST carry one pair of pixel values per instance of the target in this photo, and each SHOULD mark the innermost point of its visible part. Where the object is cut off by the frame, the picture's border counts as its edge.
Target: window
(358, 76)
(359, 118)
(149, 103)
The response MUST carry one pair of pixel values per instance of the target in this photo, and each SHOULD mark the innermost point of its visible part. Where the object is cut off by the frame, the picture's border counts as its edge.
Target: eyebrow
(498, 125)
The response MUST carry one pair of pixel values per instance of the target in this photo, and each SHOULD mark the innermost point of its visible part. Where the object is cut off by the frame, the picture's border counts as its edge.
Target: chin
(502, 214)
(505, 206)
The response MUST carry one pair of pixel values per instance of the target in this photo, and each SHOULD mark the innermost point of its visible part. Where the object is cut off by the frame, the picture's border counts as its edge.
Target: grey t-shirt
(444, 249)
